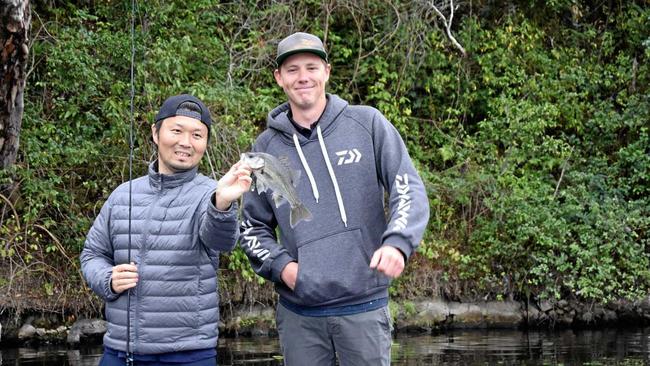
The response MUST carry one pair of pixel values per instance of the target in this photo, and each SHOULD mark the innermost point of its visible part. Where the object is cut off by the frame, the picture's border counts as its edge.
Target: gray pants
(358, 340)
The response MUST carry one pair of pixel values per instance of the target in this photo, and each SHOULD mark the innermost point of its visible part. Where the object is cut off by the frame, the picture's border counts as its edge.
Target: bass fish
(275, 174)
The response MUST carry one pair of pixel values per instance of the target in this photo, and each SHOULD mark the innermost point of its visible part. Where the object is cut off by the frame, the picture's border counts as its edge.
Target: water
(470, 347)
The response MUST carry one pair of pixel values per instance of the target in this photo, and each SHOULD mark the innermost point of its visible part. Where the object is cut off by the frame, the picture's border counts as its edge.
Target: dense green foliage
(535, 148)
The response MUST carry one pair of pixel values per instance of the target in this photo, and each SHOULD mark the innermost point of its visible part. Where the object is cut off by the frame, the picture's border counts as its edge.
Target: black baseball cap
(170, 108)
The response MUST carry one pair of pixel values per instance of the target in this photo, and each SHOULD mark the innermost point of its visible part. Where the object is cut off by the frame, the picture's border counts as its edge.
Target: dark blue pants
(112, 360)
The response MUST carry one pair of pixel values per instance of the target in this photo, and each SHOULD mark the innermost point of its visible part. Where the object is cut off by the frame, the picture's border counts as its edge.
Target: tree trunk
(15, 22)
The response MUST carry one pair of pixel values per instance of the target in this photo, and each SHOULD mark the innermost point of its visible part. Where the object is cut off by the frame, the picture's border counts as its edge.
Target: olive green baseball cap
(297, 43)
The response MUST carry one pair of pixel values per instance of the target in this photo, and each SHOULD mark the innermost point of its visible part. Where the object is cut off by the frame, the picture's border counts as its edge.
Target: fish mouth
(256, 166)
(253, 162)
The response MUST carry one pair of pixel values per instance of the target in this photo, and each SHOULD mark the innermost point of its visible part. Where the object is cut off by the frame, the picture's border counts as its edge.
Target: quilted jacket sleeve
(97, 256)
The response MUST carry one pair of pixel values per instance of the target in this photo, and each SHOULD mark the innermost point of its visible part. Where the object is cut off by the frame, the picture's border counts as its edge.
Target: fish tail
(297, 213)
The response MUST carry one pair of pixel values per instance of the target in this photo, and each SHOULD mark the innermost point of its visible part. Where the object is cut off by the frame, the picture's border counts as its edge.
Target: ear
(278, 76)
(154, 134)
(328, 68)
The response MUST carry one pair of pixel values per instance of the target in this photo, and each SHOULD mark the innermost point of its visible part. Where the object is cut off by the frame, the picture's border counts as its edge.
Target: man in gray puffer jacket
(179, 222)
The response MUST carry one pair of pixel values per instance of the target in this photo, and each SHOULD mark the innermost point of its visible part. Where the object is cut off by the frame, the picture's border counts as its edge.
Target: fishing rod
(129, 356)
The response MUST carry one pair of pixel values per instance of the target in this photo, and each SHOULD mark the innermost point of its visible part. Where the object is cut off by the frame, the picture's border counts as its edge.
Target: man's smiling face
(181, 142)
(303, 77)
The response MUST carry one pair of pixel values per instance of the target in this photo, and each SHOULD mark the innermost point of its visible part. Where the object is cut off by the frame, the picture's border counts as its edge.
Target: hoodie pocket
(333, 267)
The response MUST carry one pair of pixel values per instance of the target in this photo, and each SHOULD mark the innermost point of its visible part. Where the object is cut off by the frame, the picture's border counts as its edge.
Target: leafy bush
(534, 148)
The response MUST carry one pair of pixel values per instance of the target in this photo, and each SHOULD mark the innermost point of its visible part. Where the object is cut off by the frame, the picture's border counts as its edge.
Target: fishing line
(129, 356)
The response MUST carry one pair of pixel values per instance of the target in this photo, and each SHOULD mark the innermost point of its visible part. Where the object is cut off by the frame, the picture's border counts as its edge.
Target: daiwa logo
(252, 243)
(348, 156)
(403, 189)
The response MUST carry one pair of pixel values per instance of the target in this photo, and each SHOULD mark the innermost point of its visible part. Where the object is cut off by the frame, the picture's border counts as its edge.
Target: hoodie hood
(278, 118)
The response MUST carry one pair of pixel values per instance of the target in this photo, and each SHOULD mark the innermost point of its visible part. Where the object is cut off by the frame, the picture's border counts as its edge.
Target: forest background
(528, 121)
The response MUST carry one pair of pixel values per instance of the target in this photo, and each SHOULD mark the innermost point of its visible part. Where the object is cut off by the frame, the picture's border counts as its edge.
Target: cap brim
(280, 59)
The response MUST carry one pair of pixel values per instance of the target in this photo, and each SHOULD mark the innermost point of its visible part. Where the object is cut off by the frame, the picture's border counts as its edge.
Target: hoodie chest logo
(348, 156)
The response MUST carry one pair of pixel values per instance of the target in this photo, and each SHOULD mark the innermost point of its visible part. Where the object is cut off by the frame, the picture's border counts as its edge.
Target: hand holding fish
(388, 260)
(232, 185)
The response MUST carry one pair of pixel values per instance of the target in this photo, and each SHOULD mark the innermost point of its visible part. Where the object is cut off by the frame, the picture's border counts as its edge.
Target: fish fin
(259, 184)
(295, 176)
(299, 213)
(277, 199)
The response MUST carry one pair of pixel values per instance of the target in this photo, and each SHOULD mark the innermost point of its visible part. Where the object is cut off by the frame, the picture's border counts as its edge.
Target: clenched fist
(124, 277)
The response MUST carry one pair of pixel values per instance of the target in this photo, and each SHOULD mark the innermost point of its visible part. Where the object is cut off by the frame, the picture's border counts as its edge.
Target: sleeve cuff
(216, 213)
(110, 294)
(401, 244)
(213, 202)
(278, 265)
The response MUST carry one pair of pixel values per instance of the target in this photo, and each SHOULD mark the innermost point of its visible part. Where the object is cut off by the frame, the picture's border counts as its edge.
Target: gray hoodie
(346, 166)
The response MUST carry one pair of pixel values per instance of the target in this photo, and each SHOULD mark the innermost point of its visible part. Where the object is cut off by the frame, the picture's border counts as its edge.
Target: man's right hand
(290, 274)
(232, 185)
(124, 277)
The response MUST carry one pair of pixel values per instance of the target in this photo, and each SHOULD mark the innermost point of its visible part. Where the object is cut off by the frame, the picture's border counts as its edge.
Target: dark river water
(467, 347)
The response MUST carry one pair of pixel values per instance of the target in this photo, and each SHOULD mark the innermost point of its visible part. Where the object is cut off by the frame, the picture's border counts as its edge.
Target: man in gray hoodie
(332, 273)
(172, 223)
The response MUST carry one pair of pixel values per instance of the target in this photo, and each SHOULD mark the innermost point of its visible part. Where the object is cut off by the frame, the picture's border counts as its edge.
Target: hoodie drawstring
(314, 188)
(330, 170)
(339, 200)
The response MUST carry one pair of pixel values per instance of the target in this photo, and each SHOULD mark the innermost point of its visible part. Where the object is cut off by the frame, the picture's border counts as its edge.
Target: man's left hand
(388, 260)
(232, 185)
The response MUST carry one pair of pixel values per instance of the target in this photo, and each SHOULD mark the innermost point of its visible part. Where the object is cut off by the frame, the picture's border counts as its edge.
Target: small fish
(275, 174)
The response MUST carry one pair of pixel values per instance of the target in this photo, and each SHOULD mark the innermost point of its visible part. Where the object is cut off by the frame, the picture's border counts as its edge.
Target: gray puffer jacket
(176, 236)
